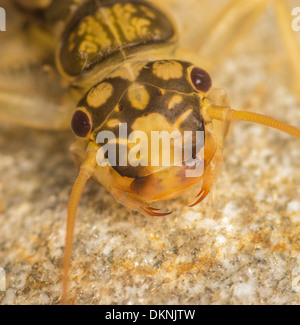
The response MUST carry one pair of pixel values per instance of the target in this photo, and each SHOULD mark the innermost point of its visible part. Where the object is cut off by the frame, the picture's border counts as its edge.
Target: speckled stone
(243, 248)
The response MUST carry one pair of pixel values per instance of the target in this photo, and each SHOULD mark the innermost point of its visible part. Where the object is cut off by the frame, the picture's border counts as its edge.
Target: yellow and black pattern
(161, 98)
(101, 30)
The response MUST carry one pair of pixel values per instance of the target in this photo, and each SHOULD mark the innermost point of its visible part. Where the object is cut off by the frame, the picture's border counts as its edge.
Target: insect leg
(86, 171)
(228, 27)
(34, 97)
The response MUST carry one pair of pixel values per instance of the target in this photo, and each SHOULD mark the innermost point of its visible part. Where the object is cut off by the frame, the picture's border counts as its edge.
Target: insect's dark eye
(201, 80)
(81, 124)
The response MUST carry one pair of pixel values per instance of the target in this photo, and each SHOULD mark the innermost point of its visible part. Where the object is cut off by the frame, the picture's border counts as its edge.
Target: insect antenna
(85, 173)
(229, 114)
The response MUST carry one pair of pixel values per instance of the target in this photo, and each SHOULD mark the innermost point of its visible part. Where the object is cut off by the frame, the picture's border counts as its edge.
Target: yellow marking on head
(138, 96)
(175, 100)
(113, 123)
(156, 122)
(99, 94)
(183, 117)
(153, 121)
(128, 71)
(167, 70)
